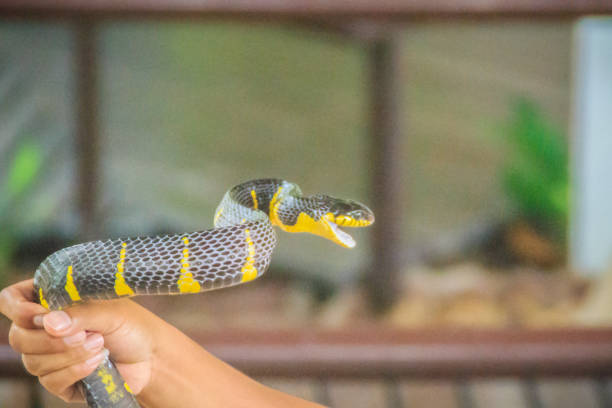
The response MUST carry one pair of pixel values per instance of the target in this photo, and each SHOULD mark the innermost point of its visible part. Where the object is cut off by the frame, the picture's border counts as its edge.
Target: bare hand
(62, 347)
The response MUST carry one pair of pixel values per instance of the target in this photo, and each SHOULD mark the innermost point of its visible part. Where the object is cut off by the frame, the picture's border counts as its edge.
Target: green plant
(25, 164)
(535, 176)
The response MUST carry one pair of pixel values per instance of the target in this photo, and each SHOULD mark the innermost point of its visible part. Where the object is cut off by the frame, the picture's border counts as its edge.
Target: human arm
(162, 366)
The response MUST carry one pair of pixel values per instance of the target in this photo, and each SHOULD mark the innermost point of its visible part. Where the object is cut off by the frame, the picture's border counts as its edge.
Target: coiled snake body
(237, 250)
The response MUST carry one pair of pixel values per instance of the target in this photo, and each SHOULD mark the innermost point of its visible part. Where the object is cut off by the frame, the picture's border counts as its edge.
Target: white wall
(591, 223)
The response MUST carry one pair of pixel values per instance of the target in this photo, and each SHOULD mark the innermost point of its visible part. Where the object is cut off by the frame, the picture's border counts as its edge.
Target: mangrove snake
(237, 250)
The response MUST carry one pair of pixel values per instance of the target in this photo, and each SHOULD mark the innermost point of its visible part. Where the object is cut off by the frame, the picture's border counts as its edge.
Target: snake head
(338, 213)
(321, 215)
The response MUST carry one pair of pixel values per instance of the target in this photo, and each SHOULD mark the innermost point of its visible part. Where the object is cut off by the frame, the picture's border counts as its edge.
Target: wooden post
(382, 275)
(86, 137)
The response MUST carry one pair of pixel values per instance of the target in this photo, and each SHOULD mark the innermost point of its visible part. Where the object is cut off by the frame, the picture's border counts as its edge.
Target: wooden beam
(382, 277)
(375, 353)
(379, 352)
(87, 136)
(286, 9)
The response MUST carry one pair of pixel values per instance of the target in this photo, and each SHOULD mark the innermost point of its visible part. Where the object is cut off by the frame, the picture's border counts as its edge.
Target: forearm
(184, 374)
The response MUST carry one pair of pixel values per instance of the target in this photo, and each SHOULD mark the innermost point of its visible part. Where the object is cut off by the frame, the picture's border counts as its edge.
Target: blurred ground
(464, 295)
(460, 295)
(499, 393)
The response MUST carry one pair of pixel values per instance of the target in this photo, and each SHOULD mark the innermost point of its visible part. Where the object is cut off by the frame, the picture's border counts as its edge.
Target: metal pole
(87, 136)
(384, 65)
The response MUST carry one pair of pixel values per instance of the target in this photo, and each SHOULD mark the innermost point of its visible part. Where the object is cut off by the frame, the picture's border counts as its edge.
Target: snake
(237, 250)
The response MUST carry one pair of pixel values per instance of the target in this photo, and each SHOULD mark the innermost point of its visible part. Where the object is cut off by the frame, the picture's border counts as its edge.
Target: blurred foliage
(25, 166)
(25, 163)
(535, 176)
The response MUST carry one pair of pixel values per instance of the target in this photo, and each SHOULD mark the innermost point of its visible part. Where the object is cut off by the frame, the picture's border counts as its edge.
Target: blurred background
(481, 145)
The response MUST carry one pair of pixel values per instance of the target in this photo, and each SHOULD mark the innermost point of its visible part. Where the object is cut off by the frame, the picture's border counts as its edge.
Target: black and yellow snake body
(237, 250)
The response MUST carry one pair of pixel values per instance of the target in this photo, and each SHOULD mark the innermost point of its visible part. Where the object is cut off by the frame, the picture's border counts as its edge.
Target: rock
(596, 309)
(412, 310)
(531, 247)
(348, 307)
(473, 310)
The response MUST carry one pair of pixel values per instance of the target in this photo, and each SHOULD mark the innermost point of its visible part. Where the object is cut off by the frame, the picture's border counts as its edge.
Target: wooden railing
(456, 355)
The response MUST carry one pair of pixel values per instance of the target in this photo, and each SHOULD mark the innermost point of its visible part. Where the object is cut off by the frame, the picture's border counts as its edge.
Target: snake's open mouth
(349, 214)
(342, 237)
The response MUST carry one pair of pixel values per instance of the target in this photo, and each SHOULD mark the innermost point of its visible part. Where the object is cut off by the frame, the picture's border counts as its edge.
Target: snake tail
(106, 388)
(237, 250)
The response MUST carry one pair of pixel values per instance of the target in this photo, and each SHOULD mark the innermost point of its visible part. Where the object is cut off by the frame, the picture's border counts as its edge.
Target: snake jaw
(339, 236)
(346, 213)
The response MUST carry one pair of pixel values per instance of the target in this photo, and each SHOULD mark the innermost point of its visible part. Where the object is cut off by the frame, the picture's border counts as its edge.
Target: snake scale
(237, 250)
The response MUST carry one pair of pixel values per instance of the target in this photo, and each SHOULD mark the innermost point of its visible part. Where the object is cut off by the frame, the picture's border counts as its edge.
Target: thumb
(102, 317)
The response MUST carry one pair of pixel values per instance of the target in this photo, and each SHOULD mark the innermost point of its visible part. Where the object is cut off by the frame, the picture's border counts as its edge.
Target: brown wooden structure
(458, 356)
(396, 10)
(400, 353)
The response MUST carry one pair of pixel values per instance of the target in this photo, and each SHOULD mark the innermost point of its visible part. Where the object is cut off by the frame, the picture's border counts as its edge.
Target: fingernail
(38, 320)
(58, 320)
(93, 342)
(95, 360)
(75, 339)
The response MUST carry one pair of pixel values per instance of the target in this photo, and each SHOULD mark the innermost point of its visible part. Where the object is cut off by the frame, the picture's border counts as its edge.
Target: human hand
(63, 347)
(161, 365)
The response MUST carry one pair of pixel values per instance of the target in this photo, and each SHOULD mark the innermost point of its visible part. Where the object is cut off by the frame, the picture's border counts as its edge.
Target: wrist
(171, 376)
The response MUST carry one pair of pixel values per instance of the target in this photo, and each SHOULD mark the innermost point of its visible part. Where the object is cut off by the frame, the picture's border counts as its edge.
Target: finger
(26, 289)
(43, 364)
(61, 382)
(59, 324)
(16, 304)
(36, 341)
